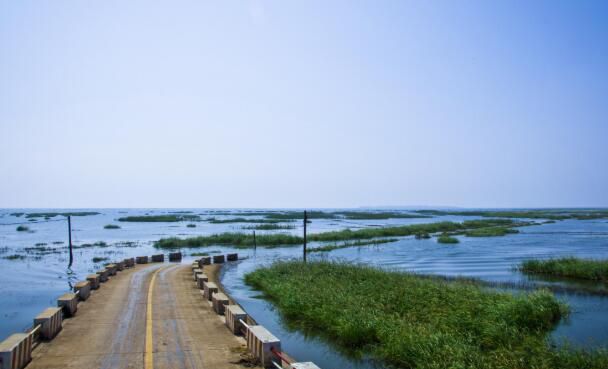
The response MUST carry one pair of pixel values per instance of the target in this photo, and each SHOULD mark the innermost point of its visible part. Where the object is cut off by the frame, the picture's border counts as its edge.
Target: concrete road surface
(150, 317)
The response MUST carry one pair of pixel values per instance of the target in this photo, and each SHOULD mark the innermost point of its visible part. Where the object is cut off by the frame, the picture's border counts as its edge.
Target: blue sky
(303, 103)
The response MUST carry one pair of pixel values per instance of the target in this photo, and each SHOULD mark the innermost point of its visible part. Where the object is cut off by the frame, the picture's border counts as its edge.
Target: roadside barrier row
(16, 350)
(263, 345)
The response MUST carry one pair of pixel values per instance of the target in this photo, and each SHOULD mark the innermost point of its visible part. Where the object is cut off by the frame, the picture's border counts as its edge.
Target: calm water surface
(28, 286)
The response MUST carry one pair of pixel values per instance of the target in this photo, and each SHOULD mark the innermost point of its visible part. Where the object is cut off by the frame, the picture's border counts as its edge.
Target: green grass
(191, 225)
(490, 232)
(111, 226)
(328, 248)
(444, 238)
(99, 259)
(366, 215)
(205, 253)
(410, 321)
(14, 257)
(52, 215)
(244, 220)
(269, 227)
(244, 240)
(596, 270)
(422, 236)
(160, 218)
(23, 228)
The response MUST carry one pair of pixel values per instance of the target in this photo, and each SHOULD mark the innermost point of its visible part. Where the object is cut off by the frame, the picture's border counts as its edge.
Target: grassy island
(444, 238)
(410, 321)
(111, 226)
(596, 270)
(22, 228)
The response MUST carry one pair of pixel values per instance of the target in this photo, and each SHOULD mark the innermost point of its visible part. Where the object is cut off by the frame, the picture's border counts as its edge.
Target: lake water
(29, 285)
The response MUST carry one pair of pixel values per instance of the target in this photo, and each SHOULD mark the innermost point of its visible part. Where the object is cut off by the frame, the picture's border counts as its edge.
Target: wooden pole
(255, 245)
(70, 240)
(305, 221)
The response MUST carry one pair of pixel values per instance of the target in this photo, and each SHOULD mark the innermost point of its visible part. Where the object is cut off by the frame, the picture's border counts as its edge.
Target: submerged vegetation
(246, 240)
(409, 321)
(160, 218)
(111, 226)
(327, 248)
(444, 238)
(570, 267)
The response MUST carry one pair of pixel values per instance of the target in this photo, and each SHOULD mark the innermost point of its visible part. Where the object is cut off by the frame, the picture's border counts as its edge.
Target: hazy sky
(303, 103)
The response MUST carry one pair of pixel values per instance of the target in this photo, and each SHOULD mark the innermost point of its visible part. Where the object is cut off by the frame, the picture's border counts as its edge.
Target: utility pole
(70, 240)
(305, 221)
(255, 245)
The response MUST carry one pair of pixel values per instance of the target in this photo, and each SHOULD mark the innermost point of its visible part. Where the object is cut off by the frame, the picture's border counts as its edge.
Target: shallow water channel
(29, 284)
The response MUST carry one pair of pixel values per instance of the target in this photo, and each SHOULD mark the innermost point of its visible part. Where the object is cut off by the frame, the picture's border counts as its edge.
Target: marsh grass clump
(111, 226)
(378, 215)
(66, 214)
(409, 321)
(327, 248)
(238, 240)
(14, 257)
(191, 225)
(270, 227)
(422, 236)
(99, 259)
(160, 218)
(571, 267)
(244, 240)
(490, 232)
(214, 220)
(445, 238)
(23, 228)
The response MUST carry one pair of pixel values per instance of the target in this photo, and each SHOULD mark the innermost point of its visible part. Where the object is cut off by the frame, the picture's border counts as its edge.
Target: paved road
(149, 317)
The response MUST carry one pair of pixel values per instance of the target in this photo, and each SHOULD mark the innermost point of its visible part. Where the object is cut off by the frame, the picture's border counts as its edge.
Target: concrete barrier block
(218, 259)
(112, 268)
(195, 272)
(219, 301)
(120, 266)
(50, 322)
(195, 265)
(234, 314)
(84, 289)
(94, 279)
(232, 257)
(16, 351)
(260, 342)
(129, 262)
(205, 261)
(200, 279)
(304, 365)
(209, 288)
(175, 256)
(141, 260)
(159, 258)
(103, 275)
(68, 302)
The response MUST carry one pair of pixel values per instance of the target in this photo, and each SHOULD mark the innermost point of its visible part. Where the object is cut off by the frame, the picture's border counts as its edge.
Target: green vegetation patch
(444, 238)
(270, 227)
(490, 232)
(327, 248)
(99, 259)
(191, 225)
(596, 270)
(52, 215)
(160, 218)
(111, 226)
(410, 321)
(244, 240)
(23, 228)
(366, 215)
(14, 257)
(245, 220)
